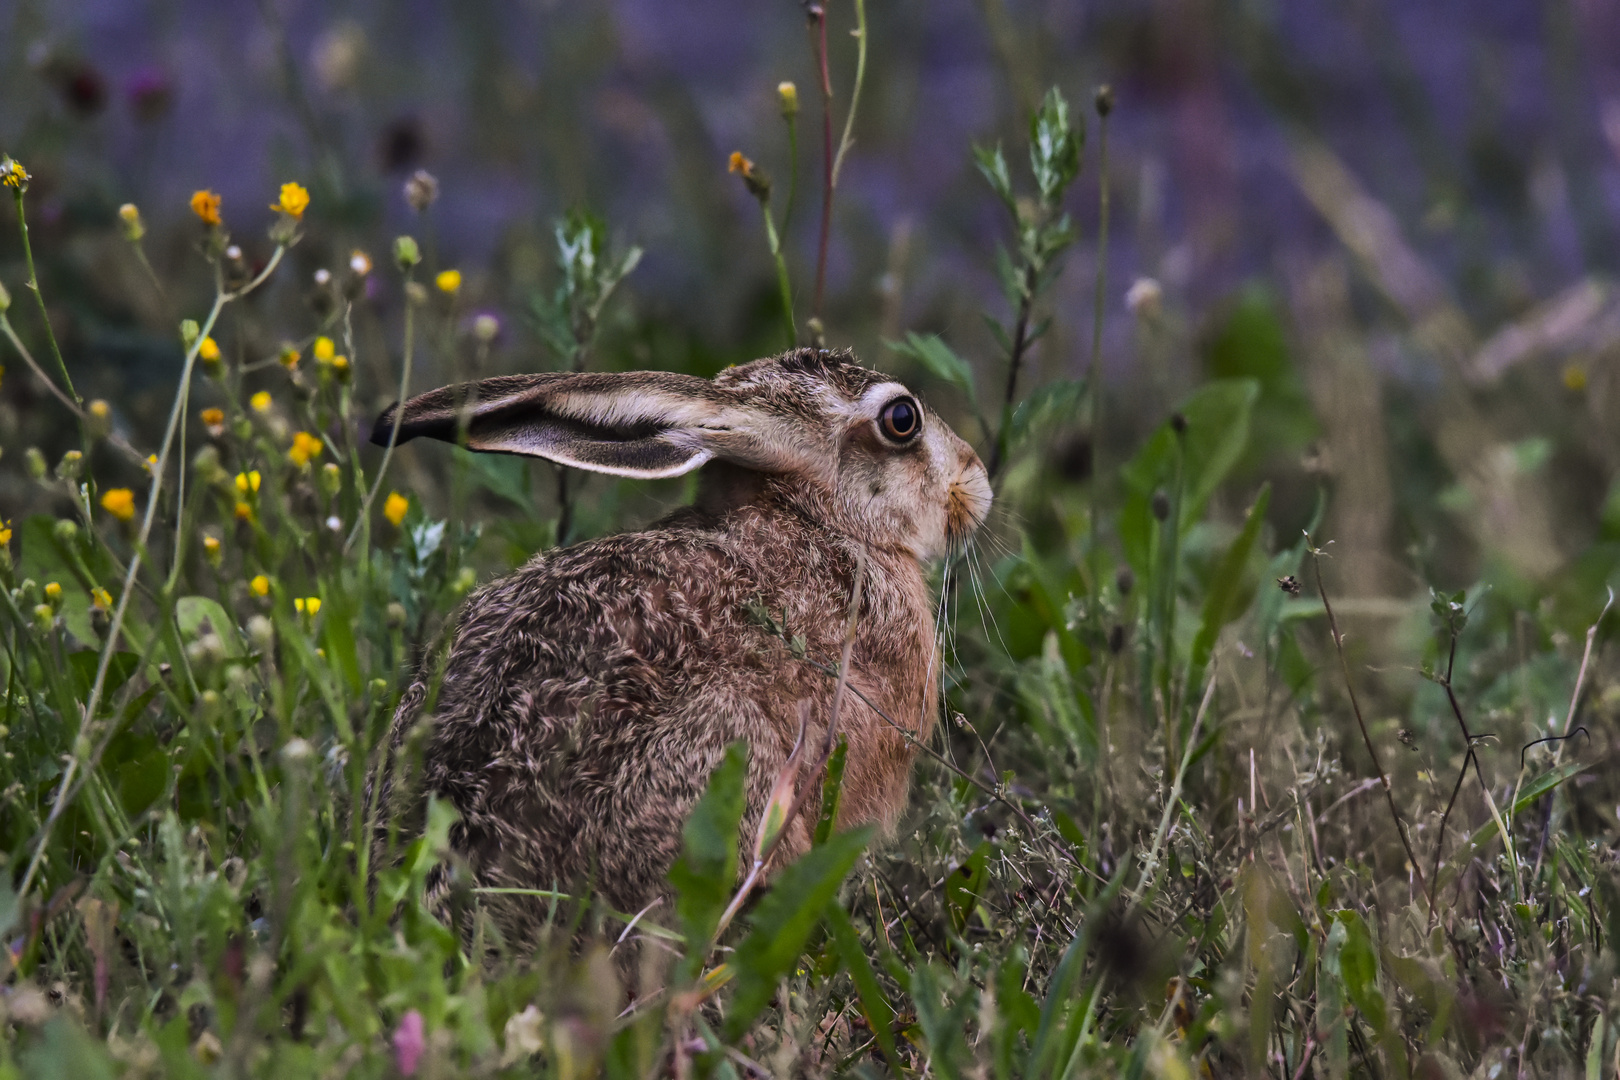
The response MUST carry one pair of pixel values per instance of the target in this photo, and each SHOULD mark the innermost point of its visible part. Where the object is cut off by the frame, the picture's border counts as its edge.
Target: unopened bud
(5, 297)
(189, 330)
(71, 465)
(406, 253)
(1104, 100)
(129, 218)
(98, 418)
(35, 460)
(788, 95)
(331, 478)
(66, 531)
(486, 328)
(421, 190)
(1160, 505)
(396, 616)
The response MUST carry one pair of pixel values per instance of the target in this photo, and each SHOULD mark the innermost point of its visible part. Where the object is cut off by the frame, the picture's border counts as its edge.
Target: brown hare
(588, 695)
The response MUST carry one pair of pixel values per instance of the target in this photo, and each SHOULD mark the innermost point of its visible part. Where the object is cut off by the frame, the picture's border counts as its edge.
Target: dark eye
(901, 420)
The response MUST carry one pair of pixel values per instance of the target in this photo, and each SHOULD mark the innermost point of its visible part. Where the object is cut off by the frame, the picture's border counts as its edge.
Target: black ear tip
(383, 429)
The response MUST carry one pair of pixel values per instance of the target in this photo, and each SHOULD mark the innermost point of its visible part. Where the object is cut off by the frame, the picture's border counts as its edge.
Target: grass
(1174, 824)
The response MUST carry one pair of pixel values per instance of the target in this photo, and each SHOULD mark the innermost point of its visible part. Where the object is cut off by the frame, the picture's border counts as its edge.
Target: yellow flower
(99, 409)
(213, 417)
(13, 175)
(248, 481)
(304, 447)
(323, 350)
(739, 164)
(209, 349)
(5, 533)
(120, 503)
(244, 511)
(788, 95)
(288, 357)
(101, 598)
(260, 585)
(448, 281)
(307, 605)
(151, 462)
(260, 401)
(340, 364)
(294, 200)
(211, 549)
(205, 204)
(1574, 378)
(53, 591)
(394, 508)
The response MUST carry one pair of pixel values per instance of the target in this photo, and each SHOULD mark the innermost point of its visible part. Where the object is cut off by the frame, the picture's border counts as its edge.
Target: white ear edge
(697, 460)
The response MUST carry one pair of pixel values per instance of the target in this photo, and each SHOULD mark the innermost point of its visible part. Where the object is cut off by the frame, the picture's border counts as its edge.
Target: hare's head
(843, 445)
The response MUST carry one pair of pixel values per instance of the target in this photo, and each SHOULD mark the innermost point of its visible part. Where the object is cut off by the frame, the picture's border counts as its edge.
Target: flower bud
(331, 478)
(5, 298)
(1160, 505)
(98, 418)
(1104, 100)
(129, 219)
(66, 531)
(787, 95)
(406, 253)
(421, 190)
(262, 633)
(486, 328)
(44, 618)
(36, 462)
(71, 465)
(396, 615)
(1124, 580)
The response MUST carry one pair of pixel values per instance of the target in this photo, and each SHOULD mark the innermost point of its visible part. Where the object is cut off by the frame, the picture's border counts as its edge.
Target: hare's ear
(645, 424)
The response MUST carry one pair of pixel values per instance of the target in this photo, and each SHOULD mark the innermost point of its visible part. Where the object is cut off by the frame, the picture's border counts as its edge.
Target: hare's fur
(588, 696)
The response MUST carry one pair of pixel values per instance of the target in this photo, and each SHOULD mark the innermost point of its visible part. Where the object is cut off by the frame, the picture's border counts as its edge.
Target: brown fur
(589, 695)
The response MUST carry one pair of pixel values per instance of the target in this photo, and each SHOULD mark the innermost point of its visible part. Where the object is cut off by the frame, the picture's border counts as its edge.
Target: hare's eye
(901, 420)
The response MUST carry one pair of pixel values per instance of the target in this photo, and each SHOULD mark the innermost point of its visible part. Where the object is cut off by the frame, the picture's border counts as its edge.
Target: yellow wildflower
(294, 200)
(53, 591)
(244, 511)
(323, 350)
(1574, 378)
(304, 447)
(340, 364)
(5, 533)
(209, 349)
(99, 409)
(214, 421)
(101, 598)
(205, 204)
(120, 503)
(211, 549)
(394, 508)
(788, 96)
(307, 605)
(448, 281)
(260, 401)
(740, 164)
(288, 357)
(151, 462)
(248, 481)
(13, 175)
(260, 585)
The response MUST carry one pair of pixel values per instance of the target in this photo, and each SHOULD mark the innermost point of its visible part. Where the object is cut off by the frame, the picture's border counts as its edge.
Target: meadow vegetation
(1192, 811)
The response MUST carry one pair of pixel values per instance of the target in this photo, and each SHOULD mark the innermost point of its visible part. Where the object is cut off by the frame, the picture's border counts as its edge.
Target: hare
(588, 695)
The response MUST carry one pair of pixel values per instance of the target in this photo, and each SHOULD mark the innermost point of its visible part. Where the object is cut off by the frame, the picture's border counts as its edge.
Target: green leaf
(1217, 417)
(706, 871)
(992, 165)
(874, 1005)
(965, 884)
(1220, 606)
(784, 920)
(832, 789)
(1358, 968)
(1052, 404)
(1054, 146)
(943, 1018)
(498, 474)
(191, 612)
(940, 359)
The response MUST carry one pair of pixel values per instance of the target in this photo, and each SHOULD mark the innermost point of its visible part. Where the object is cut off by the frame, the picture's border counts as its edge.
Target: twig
(28, 358)
(848, 139)
(1355, 706)
(818, 36)
(364, 522)
(39, 298)
(1151, 865)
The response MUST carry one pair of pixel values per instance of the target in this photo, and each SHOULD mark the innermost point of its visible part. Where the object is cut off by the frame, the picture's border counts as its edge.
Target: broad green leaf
(832, 789)
(706, 872)
(965, 884)
(1217, 417)
(784, 920)
(499, 474)
(191, 612)
(874, 1005)
(940, 359)
(1220, 603)
(1358, 967)
(1052, 404)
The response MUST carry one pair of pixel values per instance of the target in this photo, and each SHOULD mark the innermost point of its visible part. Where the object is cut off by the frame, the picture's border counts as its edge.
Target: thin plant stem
(783, 284)
(1015, 361)
(56, 391)
(1366, 739)
(1094, 378)
(848, 138)
(818, 37)
(1173, 796)
(39, 299)
(86, 762)
(363, 525)
(792, 121)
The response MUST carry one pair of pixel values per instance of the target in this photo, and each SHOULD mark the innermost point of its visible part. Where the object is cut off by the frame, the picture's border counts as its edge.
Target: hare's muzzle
(967, 500)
